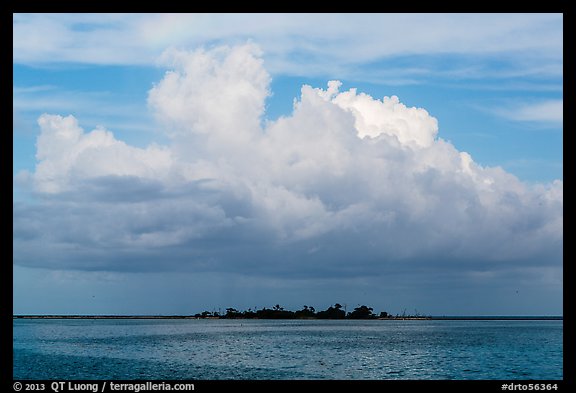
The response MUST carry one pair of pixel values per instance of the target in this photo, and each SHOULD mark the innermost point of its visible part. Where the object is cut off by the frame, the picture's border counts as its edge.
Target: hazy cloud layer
(518, 44)
(348, 184)
(548, 111)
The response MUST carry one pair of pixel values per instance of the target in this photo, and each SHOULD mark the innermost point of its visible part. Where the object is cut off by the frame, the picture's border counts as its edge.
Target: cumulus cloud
(345, 184)
(67, 155)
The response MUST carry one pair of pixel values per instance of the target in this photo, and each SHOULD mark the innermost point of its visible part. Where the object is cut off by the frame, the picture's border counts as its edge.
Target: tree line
(307, 312)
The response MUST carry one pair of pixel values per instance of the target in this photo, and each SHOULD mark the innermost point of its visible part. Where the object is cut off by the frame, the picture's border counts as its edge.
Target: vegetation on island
(307, 312)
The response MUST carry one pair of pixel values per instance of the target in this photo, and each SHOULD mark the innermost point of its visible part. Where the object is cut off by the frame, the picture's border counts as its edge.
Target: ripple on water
(220, 349)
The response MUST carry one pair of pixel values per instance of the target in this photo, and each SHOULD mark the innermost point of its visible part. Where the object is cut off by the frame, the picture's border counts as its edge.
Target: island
(307, 312)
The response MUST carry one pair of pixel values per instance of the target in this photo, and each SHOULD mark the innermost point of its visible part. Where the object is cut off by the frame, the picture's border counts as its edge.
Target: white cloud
(220, 93)
(66, 155)
(549, 111)
(389, 116)
(364, 182)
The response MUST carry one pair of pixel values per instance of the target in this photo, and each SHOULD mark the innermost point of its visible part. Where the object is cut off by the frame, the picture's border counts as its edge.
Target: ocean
(175, 349)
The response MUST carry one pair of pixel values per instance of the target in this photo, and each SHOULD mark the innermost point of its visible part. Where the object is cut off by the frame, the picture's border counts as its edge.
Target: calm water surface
(259, 349)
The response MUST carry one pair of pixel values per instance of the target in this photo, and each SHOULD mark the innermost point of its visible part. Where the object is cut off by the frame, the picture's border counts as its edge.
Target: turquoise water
(273, 349)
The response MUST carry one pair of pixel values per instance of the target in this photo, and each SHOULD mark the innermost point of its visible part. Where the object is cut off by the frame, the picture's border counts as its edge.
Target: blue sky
(175, 163)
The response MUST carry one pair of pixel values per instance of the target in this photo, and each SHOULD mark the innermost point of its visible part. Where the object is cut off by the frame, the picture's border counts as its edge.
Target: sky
(175, 163)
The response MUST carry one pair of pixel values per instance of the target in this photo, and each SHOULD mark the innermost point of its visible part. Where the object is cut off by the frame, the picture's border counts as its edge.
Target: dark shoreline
(434, 318)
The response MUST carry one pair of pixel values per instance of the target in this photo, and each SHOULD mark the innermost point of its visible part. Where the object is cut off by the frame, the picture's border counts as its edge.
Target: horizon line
(183, 316)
